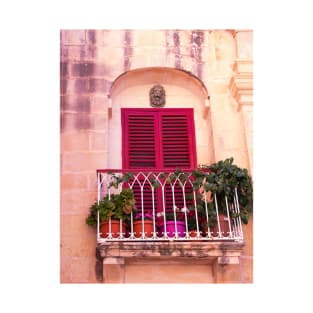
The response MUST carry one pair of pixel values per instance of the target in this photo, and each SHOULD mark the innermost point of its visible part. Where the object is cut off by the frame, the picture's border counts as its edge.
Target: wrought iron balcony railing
(170, 206)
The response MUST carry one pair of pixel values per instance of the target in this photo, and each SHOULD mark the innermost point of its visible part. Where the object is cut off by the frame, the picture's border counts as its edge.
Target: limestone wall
(92, 62)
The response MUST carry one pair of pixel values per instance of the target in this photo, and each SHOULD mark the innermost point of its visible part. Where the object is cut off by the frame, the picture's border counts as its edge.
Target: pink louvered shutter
(158, 139)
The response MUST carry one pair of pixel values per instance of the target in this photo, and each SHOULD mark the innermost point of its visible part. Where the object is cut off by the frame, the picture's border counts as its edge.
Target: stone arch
(183, 90)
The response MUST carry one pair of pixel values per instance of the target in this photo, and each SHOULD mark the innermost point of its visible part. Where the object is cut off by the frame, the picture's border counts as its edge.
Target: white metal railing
(170, 203)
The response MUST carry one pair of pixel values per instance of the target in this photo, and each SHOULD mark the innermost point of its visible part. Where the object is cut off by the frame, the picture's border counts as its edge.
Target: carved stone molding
(157, 96)
(175, 249)
(241, 83)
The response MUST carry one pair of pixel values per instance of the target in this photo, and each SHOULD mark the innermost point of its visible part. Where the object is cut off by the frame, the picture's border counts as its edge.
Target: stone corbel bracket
(241, 83)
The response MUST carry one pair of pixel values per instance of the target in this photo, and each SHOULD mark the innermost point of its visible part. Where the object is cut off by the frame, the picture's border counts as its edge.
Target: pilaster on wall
(241, 83)
(241, 87)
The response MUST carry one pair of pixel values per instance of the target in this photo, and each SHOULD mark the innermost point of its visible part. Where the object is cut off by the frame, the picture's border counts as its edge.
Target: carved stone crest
(157, 96)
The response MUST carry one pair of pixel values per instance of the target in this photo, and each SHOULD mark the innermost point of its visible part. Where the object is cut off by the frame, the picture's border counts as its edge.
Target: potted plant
(223, 179)
(114, 212)
(206, 216)
(143, 224)
(174, 222)
(192, 226)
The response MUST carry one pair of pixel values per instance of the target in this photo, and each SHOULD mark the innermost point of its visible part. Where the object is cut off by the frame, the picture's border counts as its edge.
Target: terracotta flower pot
(193, 233)
(115, 228)
(223, 219)
(148, 228)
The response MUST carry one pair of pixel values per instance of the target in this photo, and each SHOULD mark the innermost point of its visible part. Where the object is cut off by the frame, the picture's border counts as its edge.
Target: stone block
(99, 104)
(82, 161)
(63, 69)
(64, 53)
(63, 86)
(74, 86)
(100, 69)
(99, 85)
(109, 55)
(98, 141)
(142, 38)
(78, 244)
(71, 223)
(113, 273)
(98, 121)
(74, 103)
(248, 237)
(92, 181)
(65, 273)
(230, 140)
(74, 36)
(246, 269)
(82, 69)
(74, 181)
(91, 36)
(78, 53)
(82, 121)
(81, 86)
(113, 261)
(171, 273)
(113, 38)
(80, 268)
(77, 202)
(244, 41)
(226, 274)
(74, 121)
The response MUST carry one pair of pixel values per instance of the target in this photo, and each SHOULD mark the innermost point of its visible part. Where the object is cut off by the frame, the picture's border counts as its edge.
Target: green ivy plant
(222, 178)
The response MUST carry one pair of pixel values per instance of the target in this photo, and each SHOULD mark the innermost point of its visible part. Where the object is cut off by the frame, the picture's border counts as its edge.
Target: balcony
(176, 204)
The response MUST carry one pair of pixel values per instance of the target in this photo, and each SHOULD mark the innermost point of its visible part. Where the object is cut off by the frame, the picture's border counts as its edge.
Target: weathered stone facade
(104, 70)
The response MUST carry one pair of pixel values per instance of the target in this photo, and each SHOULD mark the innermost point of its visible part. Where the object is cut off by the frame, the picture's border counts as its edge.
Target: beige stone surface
(98, 140)
(244, 41)
(77, 201)
(82, 161)
(73, 36)
(143, 38)
(246, 269)
(182, 273)
(131, 62)
(78, 270)
(74, 181)
(77, 141)
(228, 274)
(110, 38)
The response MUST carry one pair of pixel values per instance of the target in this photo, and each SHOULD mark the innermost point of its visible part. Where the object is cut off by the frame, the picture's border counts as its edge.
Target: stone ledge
(197, 250)
(115, 256)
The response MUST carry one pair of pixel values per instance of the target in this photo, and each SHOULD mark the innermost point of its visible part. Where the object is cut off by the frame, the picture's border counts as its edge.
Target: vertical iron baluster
(218, 220)
(239, 219)
(228, 216)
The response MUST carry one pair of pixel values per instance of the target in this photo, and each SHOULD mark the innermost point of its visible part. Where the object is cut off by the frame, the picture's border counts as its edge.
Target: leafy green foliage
(222, 179)
(118, 179)
(202, 215)
(179, 216)
(119, 206)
